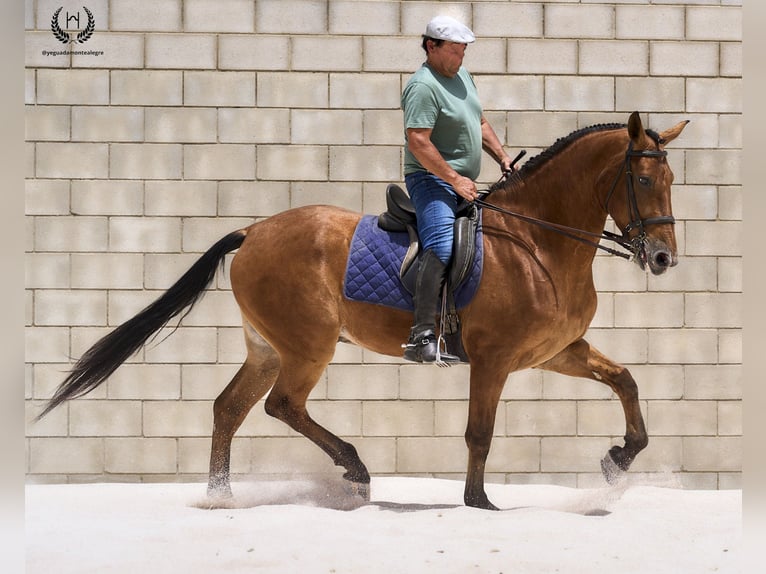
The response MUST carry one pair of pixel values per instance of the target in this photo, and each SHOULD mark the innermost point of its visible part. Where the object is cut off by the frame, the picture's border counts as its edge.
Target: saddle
(400, 217)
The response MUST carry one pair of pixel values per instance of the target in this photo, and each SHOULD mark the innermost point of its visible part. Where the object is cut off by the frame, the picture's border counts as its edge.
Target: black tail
(103, 358)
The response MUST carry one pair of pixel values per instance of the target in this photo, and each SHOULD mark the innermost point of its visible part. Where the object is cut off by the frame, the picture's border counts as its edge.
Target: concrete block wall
(185, 119)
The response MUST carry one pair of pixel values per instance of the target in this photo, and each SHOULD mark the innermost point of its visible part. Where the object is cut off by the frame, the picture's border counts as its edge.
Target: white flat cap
(446, 28)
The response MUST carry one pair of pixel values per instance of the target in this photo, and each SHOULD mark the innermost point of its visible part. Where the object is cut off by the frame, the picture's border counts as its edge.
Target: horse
(532, 308)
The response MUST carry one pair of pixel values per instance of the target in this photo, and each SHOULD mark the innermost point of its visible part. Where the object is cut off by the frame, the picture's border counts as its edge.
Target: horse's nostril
(662, 259)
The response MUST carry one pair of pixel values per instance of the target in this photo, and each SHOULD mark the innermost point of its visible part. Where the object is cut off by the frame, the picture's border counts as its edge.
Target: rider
(445, 131)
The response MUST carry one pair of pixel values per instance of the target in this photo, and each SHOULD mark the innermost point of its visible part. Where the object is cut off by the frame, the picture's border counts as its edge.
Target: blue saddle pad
(372, 270)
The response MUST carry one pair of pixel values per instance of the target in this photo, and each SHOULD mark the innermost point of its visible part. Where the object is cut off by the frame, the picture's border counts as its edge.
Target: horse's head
(638, 198)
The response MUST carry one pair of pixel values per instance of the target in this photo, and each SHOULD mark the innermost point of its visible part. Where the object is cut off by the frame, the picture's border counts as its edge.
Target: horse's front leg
(486, 387)
(581, 360)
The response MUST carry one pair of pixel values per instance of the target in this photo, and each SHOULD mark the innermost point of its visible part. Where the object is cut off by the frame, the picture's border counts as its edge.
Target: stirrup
(444, 359)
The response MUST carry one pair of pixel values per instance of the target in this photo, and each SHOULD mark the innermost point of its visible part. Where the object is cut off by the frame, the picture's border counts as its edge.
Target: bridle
(636, 245)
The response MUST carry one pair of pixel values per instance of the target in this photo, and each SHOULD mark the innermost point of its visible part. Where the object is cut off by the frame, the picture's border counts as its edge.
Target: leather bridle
(636, 245)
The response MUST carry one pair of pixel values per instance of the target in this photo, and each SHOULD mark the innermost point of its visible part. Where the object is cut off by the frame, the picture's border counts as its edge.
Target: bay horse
(533, 306)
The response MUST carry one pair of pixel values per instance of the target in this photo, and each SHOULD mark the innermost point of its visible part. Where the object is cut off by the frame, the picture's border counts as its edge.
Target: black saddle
(400, 217)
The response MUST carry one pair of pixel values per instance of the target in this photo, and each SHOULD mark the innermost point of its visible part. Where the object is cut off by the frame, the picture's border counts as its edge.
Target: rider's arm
(419, 143)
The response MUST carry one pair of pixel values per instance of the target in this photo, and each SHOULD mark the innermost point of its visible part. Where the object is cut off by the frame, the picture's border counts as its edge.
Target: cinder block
(83, 338)
(416, 15)
(730, 418)
(105, 418)
(346, 195)
(206, 382)
(111, 51)
(53, 425)
(46, 123)
(612, 274)
(258, 424)
(73, 87)
(231, 346)
(140, 455)
(106, 271)
(602, 418)
(66, 455)
(326, 127)
(398, 418)
(30, 86)
(722, 95)
(223, 16)
(219, 88)
(393, 54)
(451, 418)
(252, 199)
(695, 201)
(366, 91)
(730, 135)
(378, 163)
(511, 93)
(362, 382)
(186, 345)
(730, 274)
(682, 418)
(649, 310)
(343, 418)
(713, 310)
(614, 57)
(307, 163)
(219, 161)
(572, 454)
(218, 309)
(539, 128)
(53, 307)
(684, 59)
(142, 234)
(181, 125)
(326, 53)
(514, 455)
(731, 59)
(124, 305)
(523, 385)
(177, 418)
(712, 454)
(46, 197)
(181, 198)
(181, 51)
(691, 274)
(579, 93)
(72, 160)
(71, 234)
(502, 19)
(486, 57)
(659, 381)
(650, 22)
(427, 454)
(383, 127)
(288, 455)
(145, 161)
(48, 376)
(713, 238)
(621, 345)
(730, 346)
(147, 87)
(107, 124)
(147, 16)
(683, 346)
(557, 386)
(657, 94)
(292, 90)
(364, 18)
(663, 454)
(432, 383)
(41, 51)
(303, 17)
(247, 52)
(539, 418)
(256, 125)
(579, 21)
(717, 23)
(542, 56)
(145, 383)
(46, 270)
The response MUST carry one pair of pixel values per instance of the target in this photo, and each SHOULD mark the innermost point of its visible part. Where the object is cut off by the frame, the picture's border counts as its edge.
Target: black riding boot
(422, 346)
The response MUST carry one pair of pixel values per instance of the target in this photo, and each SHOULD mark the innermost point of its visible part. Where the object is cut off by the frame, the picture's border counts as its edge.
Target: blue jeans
(435, 204)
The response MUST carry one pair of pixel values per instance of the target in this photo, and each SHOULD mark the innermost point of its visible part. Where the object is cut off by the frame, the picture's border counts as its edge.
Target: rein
(635, 246)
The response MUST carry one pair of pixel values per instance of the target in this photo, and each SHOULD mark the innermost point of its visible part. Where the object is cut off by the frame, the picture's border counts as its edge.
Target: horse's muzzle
(658, 256)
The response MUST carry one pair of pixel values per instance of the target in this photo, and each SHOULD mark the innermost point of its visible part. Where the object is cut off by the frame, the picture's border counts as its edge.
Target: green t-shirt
(450, 108)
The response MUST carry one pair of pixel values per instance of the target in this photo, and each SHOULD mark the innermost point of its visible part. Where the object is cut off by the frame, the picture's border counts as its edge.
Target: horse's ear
(672, 133)
(636, 130)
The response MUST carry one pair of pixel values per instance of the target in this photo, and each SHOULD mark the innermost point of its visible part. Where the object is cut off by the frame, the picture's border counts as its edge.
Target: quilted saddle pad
(372, 270)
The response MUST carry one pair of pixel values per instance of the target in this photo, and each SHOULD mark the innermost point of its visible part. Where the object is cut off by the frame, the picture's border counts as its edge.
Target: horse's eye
(645, 181)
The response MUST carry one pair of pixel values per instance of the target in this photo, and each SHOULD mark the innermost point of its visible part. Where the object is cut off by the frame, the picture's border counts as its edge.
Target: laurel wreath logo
(82, 36)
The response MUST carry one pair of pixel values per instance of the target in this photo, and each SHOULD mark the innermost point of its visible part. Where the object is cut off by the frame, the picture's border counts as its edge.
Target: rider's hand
(465, 188)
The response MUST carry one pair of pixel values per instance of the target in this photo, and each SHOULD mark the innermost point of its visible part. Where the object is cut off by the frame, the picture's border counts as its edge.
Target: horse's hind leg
(582, 360)
(249, 385)
(287, 402)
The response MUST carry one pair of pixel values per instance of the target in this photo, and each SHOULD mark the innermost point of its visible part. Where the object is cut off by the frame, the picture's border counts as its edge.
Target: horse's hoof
(360, 489)
(612, 473)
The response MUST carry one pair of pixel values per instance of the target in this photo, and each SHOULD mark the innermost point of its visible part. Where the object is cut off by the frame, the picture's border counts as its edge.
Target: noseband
(636, 245)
